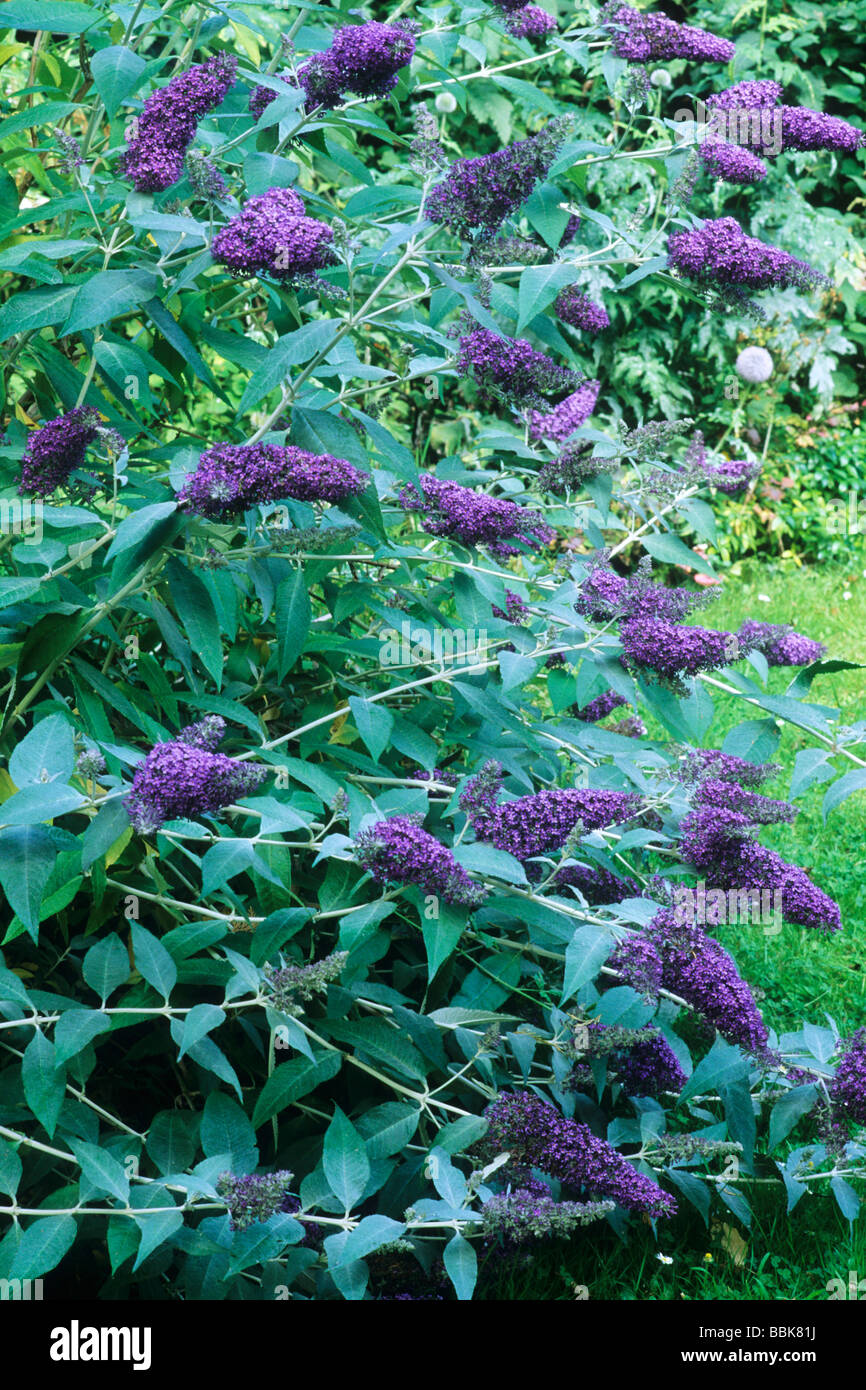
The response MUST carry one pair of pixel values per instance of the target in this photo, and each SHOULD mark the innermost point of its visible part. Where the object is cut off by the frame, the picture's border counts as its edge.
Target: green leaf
(116, 72)
(756, 740)
(46, 753)
(291, 1081)
(722, 1065)
(75, 1029)
(34, 309)
(388, 1128)
(293, 616)
(171, 1140)
(370, 1234)
(673, 551)
(136, 527)
(42, 114)
(11, 1169)
(461, 1266)
(152, 960)
(38, 803)
(290, 351)
(224, 861)
(201, 1020)
(226, 1129)
(539, 286)
(854, 781)
(586, 954)
(441, 935)
(104, 830)
(345, 1161)
(796, 1103)
(106, 966)
(43, 1244)
(177, 338)
(44, 1081)
(158, 1228)
(106, 295)
(374, 724)
(27, 857)
(197, 613)
(693, 1190)
(101, 1170)
(484, 859)
(11, 987)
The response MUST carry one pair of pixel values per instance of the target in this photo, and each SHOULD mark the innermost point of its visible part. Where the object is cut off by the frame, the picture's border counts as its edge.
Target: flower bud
(446, 103)
(754, 365)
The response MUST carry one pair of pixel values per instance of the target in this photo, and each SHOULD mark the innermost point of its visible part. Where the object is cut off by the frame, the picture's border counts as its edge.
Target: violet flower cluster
(731, 163)
(364, 59)
(515, 610)
(272, 235)
(649, 1066)
(475, 518)
(700, 763)
(577, 309)
(294, 985)
(253, 1196)
(600, 707)
(530, 22)
(776, 127)
(720, 253)
(780, 644)
(562, 421)
(398, 850)
(478, 194)
(732, 476)
(605, 594)
(516, 1218)
(531, 825)
(166, 126)
(653, 37)
(510, 369)
(680, 957)
(184, 779)
(847, 1090)
(538, 1136)
(598, 886)
(56, 450)
(719, 844)
(673, 651)
(231, 478)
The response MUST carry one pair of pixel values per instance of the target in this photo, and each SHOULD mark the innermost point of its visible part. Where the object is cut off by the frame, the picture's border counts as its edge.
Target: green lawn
(803, 973)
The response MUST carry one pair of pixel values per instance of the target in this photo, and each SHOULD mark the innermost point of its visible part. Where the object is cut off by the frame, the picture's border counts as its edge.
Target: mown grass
(780, 1258)
(797, 975)
(800, 973)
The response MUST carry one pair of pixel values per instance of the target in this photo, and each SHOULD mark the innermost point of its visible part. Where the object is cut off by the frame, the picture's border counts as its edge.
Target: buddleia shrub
(358, 933)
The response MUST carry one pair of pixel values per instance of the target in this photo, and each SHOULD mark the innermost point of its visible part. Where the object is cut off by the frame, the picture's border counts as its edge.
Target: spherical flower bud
(754, 364)
(445, 102)
(660, 77)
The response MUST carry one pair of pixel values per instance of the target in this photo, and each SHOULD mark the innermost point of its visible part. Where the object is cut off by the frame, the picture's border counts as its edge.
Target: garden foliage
(359, 934)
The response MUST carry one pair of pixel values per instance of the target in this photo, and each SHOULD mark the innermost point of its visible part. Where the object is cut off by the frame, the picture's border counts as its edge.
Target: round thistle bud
(445, 103)
(660, 77)
(754, 364)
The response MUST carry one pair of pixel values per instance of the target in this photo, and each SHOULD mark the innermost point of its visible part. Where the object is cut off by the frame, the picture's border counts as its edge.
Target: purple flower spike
(510, 369)
(531, 22)
(231, 478)
(535, 824)
(576, 308)
(182, 779)
(399, 850)
(475, 518)
(562, 421)
(847, 1090)
(537, 1136)
(363, 58)
(719, 253)
(674, 651)
(645, 38)
(56, 450)
(479, 194)
(731, 163)
(780, 644)
(272, 235)
(166, 126)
